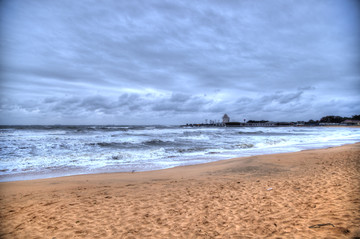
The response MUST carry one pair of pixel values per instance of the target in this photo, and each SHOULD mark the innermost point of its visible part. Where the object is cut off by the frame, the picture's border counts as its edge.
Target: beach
(306, 194)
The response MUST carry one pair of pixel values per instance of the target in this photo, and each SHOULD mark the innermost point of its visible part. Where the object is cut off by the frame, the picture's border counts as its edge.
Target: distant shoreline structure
(325, 121)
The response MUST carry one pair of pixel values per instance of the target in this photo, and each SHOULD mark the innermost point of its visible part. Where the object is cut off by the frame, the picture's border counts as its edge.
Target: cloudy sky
(176, 62)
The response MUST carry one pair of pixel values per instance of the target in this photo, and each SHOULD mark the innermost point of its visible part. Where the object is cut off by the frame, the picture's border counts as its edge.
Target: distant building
(328, 124)
(226, 119)
(261, 124)
(351, 122)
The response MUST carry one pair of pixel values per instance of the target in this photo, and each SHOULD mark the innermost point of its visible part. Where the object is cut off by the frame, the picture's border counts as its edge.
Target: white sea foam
(47, 151)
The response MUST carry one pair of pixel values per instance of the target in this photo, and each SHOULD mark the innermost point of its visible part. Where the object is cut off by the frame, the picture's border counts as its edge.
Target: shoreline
(69, 151)
(181, 167)
(273, 195)
(112, 170)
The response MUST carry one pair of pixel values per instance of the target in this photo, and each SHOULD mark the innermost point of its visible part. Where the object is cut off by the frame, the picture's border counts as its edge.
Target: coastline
(273, 195)
(45, 152)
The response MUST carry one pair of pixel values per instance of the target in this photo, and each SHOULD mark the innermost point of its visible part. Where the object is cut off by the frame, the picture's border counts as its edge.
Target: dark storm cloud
(94, 109)
(90, 104)
(172, 58)
(124, 104)
(276, 102)
(182, 103)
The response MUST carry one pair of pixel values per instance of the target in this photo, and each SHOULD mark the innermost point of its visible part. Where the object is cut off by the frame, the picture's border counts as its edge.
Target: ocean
(33, 152)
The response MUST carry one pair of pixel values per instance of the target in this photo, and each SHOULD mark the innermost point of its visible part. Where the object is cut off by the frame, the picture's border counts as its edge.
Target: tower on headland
(226, 119)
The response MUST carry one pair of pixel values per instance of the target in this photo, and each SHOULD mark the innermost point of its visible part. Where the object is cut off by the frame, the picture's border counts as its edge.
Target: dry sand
(269, 196)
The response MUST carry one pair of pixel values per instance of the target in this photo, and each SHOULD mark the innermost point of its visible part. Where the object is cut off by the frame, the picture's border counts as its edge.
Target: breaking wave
(34, 150)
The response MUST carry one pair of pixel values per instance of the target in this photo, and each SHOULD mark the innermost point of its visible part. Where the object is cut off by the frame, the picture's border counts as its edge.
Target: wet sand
(268, 196)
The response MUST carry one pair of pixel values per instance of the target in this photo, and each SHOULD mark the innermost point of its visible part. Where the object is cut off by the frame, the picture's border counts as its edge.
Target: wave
(251, 132)
(269, 133)
(156, 142)
(153, 142)
(113, 128)
(189, 150)
(192, 133)
(121, 156)
(112, 144)
(245, 146)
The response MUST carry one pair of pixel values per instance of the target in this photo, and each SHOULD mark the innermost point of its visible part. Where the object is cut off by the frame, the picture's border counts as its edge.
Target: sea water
(31, 152)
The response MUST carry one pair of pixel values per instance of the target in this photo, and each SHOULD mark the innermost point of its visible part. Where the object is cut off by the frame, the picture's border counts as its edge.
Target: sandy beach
(307, 194)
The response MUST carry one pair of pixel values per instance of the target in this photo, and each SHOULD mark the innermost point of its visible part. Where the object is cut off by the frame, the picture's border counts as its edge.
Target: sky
(177, 62)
